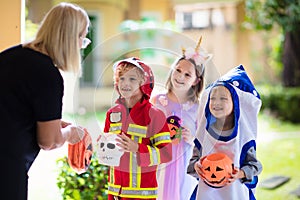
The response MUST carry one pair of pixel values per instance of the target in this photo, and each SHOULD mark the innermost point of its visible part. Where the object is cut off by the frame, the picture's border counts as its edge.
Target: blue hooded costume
(240, 144)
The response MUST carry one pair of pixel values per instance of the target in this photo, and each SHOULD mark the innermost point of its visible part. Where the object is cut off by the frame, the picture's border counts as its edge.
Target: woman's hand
(126, 143)
(64, 124)
(75, 134)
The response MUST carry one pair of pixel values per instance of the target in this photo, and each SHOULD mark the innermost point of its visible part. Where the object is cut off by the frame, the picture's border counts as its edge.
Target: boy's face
(129, 83)
(184, 75)
(220, 104)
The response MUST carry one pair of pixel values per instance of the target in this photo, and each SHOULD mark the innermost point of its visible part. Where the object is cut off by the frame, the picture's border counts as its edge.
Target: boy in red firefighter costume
(143, 133)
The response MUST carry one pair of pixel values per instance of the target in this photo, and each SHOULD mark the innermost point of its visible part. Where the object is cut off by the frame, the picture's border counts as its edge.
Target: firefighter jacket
(135, 177)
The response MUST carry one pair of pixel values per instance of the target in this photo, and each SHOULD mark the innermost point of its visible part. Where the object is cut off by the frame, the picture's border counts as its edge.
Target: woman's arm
(53, 134)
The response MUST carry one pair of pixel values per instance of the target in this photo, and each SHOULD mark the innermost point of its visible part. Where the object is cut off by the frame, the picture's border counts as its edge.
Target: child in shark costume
(239, 142)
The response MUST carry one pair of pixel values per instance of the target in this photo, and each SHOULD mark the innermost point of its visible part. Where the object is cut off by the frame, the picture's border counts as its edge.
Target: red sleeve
(160, 148)
(107, 122)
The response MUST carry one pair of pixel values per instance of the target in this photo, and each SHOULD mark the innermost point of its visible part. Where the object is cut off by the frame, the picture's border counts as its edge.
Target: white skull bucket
(108, 152)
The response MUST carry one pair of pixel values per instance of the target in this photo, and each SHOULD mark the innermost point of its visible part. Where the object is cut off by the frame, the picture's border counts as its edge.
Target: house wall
(38, 9)
(162, 7)
(109, 14)
(12, 19)
(112, 13)
(229, 44)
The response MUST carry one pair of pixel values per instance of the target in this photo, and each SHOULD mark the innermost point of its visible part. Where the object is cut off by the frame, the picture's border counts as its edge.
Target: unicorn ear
(208, 58)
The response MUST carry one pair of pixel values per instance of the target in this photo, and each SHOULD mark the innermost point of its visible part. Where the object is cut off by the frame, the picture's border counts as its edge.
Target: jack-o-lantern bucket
(217, 168)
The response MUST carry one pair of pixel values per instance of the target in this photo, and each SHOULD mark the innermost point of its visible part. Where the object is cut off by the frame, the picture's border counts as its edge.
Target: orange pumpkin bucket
(217, 168)
(80, 154)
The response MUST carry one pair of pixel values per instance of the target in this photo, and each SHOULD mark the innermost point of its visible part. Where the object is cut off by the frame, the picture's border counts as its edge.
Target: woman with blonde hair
(31, 94)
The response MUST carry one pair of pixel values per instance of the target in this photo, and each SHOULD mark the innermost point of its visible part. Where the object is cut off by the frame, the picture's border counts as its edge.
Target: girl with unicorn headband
(180, 104)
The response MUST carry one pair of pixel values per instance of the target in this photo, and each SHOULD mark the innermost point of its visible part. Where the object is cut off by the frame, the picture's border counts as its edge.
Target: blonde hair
(195, 90)
(123, 68)
(59, 34)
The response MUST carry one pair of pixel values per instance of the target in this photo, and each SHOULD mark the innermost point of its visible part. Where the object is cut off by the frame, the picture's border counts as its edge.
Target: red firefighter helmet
(148, 85)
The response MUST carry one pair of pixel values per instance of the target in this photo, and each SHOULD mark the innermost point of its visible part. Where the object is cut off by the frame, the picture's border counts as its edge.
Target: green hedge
(284, 103)
(90, 185)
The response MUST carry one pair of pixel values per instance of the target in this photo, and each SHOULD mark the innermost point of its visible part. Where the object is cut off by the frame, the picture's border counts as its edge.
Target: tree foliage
(263, 14)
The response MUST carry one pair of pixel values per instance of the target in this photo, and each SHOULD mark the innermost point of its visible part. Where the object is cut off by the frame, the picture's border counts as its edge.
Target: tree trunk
(291, 59)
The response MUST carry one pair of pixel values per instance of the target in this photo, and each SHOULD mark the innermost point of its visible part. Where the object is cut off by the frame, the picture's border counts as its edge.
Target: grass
(269, 123)
(280, 155)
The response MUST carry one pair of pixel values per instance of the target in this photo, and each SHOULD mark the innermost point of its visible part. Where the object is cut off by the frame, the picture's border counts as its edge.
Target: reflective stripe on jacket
(135, 177)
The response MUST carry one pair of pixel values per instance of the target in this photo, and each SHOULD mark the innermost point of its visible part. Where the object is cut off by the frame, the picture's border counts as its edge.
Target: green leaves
(264, 14)
(282, 102)
(89, 185)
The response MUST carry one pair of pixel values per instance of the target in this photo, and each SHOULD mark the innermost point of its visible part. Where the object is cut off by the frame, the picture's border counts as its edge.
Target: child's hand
(187, 136)
(236, 174)
(127, 144)
(198, 168)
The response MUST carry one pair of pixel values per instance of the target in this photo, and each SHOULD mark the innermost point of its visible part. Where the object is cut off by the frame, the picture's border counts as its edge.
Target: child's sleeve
(195, 158)
(107, 123)
(160, 148)
(251, 166)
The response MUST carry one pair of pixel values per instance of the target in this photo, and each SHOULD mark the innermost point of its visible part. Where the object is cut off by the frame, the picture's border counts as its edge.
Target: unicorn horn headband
(199, 56)
(198, 44)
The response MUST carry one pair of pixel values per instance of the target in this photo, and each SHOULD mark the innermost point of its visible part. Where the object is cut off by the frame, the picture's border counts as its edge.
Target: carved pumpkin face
(217, 168)
(175, 129)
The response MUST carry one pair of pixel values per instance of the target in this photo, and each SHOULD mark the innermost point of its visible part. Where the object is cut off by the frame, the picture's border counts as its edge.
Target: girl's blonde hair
(195, 90)
(59, 35)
